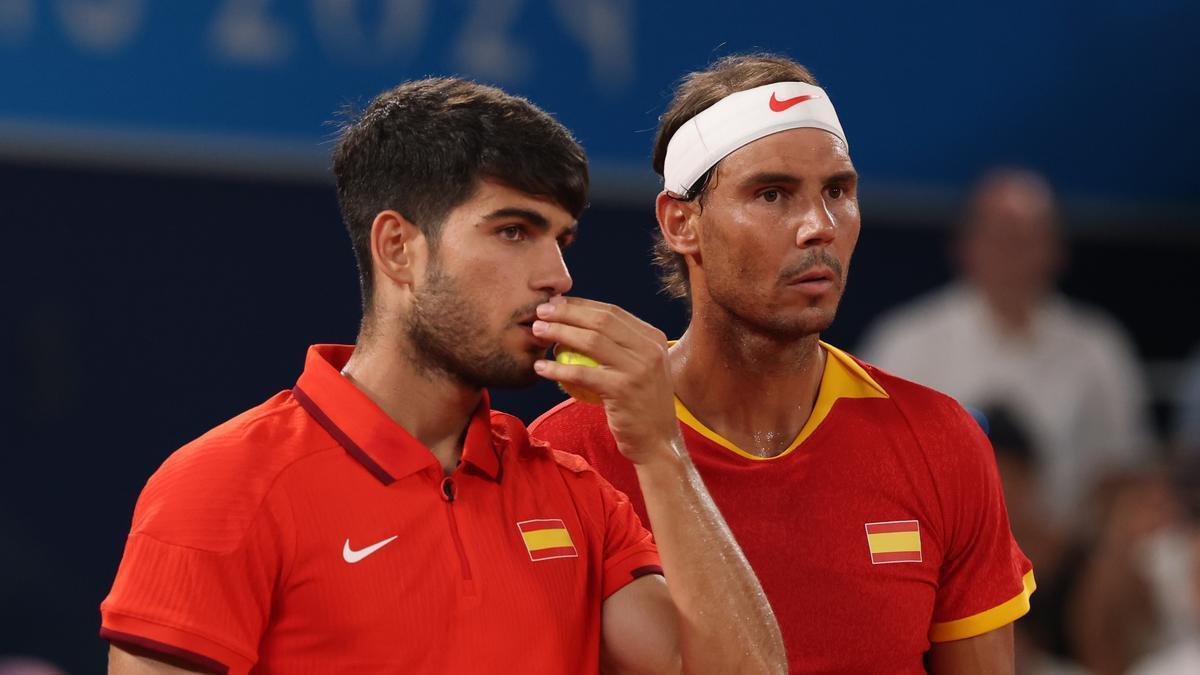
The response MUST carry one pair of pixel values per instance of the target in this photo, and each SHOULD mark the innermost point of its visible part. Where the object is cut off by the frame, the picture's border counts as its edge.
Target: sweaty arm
(988, 654)
(712, 615)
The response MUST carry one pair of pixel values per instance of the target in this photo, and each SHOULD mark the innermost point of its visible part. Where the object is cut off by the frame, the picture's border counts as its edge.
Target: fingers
(610, 321)
(596, 380)
(627, 349)
(634, 375)
(633, 378)
(603, 349)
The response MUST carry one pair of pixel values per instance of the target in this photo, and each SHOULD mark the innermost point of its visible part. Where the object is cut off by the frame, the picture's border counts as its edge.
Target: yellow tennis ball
(571, 358)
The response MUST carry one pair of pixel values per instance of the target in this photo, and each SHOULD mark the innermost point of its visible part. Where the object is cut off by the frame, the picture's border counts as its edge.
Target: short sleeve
(191, 598)
(985, 581)
(629, 551)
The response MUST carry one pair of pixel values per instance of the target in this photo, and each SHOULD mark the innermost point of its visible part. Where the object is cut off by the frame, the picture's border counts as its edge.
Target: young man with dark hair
(379, 517)
(868, 506)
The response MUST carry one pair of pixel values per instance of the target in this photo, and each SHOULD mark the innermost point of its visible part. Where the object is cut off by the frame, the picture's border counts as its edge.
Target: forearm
(725, 622)
(1110, 597)
(988, 654)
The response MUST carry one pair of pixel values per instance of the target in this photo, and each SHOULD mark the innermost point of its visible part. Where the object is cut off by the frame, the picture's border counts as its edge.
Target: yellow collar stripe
(843, 378)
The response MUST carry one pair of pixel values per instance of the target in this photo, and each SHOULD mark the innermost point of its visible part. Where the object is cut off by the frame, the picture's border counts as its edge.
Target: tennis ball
(571, 358)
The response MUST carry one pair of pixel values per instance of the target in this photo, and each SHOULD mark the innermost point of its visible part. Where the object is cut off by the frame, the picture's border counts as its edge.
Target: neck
(754, 389)
(432, 407)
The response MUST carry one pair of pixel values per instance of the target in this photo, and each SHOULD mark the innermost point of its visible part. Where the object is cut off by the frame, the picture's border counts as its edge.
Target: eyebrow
(760, 178)
(789, 179)
(843, 177)
(530, 216)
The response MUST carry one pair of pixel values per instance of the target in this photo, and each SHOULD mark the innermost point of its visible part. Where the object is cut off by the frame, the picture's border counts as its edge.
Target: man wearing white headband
(869, 506)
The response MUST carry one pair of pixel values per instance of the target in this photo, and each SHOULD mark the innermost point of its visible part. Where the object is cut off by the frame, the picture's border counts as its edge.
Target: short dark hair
(697, 91)
(422, 149)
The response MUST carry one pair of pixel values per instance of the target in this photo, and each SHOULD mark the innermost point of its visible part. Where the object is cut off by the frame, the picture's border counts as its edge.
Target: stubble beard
(443, 326)
(750, 310)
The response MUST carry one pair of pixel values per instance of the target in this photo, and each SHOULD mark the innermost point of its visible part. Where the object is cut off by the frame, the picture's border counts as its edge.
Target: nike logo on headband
(780, 106)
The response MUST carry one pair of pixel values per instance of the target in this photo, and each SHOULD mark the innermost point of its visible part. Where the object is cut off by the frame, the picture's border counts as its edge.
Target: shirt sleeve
(629, 549)
(985, 580)
(190, 591)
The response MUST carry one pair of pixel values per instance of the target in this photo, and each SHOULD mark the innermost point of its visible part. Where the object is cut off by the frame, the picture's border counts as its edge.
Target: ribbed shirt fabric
(312, 534)
(882, 528)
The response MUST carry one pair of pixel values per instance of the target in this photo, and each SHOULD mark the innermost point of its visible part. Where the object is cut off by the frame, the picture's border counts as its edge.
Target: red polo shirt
(881, 529)
(314, 534)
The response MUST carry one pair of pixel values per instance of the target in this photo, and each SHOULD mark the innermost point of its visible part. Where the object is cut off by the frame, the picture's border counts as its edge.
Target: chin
(513, 380)
(782, 317)
(793, 326)
(515, 372)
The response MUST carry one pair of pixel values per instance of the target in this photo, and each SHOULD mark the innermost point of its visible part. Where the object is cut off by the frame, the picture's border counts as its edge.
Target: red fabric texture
(801, 521)
(241, 546)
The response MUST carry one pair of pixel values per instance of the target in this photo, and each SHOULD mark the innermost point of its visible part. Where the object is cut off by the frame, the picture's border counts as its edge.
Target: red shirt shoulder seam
(255, 511)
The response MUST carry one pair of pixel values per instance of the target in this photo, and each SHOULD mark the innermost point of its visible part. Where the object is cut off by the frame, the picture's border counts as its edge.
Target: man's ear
(677, 222)
(399, 250)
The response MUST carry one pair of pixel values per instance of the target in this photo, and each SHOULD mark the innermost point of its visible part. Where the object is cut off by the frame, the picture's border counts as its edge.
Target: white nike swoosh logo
(351, 556)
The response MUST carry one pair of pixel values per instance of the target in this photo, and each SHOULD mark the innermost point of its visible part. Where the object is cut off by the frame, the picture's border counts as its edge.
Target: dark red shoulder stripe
(340, 436)
(172, 654)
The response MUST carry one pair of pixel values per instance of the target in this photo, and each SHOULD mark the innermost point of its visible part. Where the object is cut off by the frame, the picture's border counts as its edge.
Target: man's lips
(525, 324)
(816, 274)
(526, 318)
(814, 282)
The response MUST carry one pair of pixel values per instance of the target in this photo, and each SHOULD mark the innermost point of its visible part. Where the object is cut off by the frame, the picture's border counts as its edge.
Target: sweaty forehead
(803, 152)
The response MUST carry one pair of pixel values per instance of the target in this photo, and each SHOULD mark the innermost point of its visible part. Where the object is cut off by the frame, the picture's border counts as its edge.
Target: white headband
(739, 119)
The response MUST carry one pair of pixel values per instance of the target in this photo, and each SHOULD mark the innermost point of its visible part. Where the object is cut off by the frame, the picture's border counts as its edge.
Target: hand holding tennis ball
(613, 358)
(570, 358)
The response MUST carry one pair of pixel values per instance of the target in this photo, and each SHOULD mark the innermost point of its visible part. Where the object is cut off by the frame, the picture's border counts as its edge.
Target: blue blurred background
(172, 242)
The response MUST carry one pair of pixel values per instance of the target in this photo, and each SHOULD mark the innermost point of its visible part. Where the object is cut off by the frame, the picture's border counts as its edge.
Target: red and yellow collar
(843, 378)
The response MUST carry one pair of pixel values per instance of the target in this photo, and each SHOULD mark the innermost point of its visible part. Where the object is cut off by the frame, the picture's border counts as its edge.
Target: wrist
(667, 458)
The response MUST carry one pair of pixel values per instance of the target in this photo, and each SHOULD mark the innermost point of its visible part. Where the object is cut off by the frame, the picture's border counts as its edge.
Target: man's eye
(513, 233)
(770, 196)
(836, 192)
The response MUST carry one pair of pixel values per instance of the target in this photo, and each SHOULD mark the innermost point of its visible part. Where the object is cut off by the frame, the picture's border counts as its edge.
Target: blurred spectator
(1175, 568)
(1016, 460)
(1039, 637)
(1003, 335)
(1187, 417)
(1115, 615)
(18, 665)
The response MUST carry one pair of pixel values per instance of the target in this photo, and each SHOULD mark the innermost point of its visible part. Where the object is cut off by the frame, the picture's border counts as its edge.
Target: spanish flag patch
(894, 541)
(546, 539)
